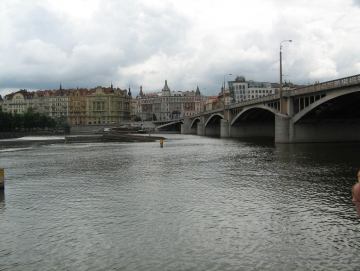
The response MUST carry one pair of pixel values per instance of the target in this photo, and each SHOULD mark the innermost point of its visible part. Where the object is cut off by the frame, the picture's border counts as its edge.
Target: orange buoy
(2, 178)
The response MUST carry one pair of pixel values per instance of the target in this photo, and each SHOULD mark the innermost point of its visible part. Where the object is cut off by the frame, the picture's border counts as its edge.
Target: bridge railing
(254, 101)
(273, 97)
(207, 112)
(351, 80)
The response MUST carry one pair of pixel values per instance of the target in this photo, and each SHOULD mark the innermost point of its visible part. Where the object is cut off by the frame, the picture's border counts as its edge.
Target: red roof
(151, 95)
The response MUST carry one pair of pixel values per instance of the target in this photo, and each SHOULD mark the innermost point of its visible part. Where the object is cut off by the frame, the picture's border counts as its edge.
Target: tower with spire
(61, 93)
(197, 92)
(141, 94)
(166, 90)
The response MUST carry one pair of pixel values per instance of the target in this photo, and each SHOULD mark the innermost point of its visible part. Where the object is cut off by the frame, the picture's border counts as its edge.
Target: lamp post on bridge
(289, 78)
(282, 110)
(224, 89)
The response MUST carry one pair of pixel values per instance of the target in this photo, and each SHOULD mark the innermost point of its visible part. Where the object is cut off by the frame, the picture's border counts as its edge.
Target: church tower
(197, 92)
(166, 90)
(141, 94)
(61, 93)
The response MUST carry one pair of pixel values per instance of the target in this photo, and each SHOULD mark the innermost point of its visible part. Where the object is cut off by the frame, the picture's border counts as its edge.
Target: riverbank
(12, 135)
(33, 140)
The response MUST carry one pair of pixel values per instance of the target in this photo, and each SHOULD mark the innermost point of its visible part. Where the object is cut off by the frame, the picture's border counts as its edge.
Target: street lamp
(224, 88)
(289, 78)
(281, 94)
(202, 102)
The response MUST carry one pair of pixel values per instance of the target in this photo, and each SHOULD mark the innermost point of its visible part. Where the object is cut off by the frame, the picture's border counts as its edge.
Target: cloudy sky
(87, 43)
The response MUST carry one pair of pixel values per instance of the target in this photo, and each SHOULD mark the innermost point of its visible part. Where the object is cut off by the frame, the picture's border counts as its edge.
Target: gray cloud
(357, 2)
(133, 43)
(45, 49)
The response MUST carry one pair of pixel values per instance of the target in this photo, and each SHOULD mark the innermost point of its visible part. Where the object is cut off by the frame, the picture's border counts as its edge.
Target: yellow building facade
(108, 106)
(77, 101)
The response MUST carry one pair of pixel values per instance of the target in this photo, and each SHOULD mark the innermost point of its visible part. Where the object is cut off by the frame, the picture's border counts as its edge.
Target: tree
(28, 120)
(43, 121)
(61, 121)
(17, 121)
(6, 121)
(137, 118)
(51, 123)
(151, 118)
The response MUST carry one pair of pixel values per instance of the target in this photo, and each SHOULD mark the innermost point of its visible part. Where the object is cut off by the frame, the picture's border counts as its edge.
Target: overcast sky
(87, 43)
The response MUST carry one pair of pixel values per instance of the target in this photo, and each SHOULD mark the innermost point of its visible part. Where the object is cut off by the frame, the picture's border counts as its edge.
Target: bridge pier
(224, 128)
(284, 129)
(200, 129)
(185, 127)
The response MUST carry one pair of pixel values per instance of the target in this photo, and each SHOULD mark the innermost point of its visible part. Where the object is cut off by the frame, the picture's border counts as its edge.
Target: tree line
(28, 121)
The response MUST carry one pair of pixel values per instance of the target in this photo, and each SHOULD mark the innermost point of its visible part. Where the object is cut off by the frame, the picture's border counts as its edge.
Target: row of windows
(239, 97)
(175, 99)
(256, 91)
(240, 87)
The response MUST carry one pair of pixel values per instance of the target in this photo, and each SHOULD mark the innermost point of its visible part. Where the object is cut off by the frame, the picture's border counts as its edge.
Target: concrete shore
(78, 134)
(22, 142)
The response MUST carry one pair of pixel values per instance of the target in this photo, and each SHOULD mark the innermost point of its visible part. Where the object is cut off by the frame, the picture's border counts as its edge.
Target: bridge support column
(200, 129)
(284, 129)
(185, 128)
(224, 128)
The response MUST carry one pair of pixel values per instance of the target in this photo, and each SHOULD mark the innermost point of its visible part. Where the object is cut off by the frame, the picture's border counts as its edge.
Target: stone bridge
(325, 112)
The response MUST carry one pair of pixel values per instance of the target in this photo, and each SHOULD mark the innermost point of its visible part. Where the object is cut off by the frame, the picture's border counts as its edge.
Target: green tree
(17, 121)
(51, 123)
(43, 121)
(152, 118)
(30, 119)
(137, 118)
(6, 121)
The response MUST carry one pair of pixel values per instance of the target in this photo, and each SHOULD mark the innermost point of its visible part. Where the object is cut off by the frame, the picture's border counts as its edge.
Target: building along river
(198, 203)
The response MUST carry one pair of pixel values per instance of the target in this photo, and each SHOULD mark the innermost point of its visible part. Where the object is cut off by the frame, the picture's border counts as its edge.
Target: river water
(198, 203)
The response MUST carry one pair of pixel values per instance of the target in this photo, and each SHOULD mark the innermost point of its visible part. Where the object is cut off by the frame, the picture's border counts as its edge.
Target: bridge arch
(214, 117)
(246, 110)
(331, 96)
(195, 120)
(172, 125)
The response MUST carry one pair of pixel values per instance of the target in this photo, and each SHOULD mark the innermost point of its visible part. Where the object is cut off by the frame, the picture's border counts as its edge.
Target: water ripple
(196, 204)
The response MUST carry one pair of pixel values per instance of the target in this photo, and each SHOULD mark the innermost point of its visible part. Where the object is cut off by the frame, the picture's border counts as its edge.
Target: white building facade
(17, 102)
(246, 90)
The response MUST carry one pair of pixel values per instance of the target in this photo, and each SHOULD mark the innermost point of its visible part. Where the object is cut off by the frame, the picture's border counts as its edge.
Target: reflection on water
(2, 197)
(197, 204)
(33, 138)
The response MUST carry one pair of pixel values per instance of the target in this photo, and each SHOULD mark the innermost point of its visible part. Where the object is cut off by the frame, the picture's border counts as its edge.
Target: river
(198, 203)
